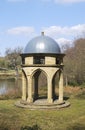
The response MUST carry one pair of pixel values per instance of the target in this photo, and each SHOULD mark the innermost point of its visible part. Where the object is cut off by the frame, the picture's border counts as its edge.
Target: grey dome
(42, 44)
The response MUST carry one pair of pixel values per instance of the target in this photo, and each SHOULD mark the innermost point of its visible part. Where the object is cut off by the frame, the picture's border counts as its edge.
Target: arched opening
(55, 85)
(39, 79)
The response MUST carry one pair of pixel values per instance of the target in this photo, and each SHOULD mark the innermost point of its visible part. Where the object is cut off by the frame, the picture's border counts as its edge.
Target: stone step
(34, 106)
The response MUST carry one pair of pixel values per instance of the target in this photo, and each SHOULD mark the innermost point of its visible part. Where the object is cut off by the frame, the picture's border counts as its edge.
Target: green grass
(71, 118)
(14, 118)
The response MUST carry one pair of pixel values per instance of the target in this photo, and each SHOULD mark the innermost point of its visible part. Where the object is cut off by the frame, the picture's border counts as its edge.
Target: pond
(9, 84)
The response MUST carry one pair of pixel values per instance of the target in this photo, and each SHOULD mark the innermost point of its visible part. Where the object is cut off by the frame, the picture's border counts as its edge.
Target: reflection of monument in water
(42, 54)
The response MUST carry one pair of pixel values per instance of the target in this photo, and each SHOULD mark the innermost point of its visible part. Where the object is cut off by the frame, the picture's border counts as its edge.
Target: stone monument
(41, 54)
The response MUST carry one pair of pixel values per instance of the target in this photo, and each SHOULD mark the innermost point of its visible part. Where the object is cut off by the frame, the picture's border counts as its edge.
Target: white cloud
(65, 35)
(58, 31)
(64, 1)
(21, 30)
(56, 1)
(64, 43)
(69, 1)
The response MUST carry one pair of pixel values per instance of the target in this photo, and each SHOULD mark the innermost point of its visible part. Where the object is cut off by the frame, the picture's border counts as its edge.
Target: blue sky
(21, 20)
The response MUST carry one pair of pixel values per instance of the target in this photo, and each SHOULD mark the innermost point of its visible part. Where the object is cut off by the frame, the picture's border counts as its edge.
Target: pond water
(9, 84)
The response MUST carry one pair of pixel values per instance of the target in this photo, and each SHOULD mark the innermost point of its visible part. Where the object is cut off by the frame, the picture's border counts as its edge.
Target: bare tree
(75, 62)
(13, 57)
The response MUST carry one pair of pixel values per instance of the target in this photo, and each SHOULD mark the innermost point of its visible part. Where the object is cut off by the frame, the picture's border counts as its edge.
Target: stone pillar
(61, 86)
(36, 84)
(50, 100)
(23, 87)
(30, 98)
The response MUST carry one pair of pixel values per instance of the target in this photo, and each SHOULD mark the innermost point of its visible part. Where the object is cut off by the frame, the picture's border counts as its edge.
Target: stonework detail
(29, 60)
(28, 79)
(50, 60)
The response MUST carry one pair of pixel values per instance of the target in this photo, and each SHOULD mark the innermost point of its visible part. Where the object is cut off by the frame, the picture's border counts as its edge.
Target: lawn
(70, 118)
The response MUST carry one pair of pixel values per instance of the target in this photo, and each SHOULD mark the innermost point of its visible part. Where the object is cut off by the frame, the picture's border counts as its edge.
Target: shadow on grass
(66, 98)
(34, 127)
(4, 128)
(76, 127)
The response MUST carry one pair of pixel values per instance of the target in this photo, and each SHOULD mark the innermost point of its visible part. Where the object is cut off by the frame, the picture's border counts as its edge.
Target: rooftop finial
(42, 33)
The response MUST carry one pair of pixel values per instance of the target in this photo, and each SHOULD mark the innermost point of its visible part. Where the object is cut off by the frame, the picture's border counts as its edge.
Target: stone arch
(37, 79)
(23, 73)
(41, 69)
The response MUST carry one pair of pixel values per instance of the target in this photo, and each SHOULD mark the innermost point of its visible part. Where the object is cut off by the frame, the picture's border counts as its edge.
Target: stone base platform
(42, 104)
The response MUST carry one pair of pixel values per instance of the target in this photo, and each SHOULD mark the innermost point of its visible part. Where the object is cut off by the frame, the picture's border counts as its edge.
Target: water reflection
(9, 84)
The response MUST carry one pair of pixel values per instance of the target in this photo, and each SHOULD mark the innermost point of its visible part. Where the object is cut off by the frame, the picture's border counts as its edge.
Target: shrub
(81, 95)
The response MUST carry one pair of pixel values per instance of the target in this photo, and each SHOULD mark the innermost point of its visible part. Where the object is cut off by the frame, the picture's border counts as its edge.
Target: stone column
(23, 87)
(36, 84)
(50, 100)
(30, 98)
(61, 86)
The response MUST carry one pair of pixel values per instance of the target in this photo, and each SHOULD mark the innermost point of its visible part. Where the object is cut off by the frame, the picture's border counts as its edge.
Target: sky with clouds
(21, 20)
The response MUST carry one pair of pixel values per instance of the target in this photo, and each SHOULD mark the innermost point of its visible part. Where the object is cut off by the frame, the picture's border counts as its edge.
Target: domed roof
(42, 44)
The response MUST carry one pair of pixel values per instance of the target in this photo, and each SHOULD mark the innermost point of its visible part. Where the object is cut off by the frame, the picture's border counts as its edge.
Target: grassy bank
(14, 118)
(8, 74)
